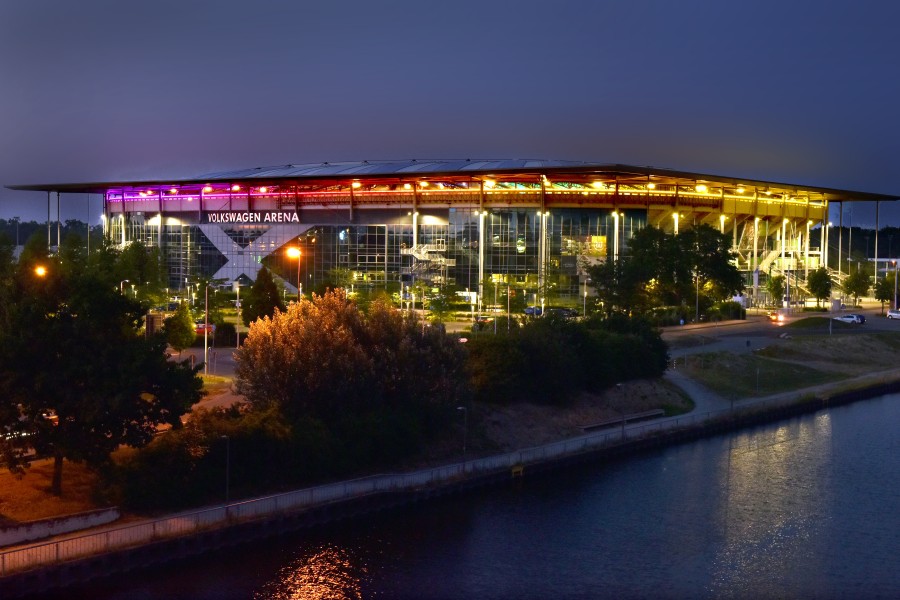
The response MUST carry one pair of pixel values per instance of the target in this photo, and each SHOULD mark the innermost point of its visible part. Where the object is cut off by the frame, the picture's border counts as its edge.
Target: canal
(807, 507)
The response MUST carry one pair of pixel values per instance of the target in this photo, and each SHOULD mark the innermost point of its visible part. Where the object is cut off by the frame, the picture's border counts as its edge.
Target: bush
(226, 335)
(550, 360)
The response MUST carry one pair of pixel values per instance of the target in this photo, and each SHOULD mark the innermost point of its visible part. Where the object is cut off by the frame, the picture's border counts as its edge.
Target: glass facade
(537, 253)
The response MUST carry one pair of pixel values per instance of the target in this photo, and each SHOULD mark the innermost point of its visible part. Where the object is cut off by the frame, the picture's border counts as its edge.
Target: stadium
(531, 225)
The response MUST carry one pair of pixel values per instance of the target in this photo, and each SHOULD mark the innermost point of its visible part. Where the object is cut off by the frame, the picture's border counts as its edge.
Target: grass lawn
(29, 498)
(749, 375)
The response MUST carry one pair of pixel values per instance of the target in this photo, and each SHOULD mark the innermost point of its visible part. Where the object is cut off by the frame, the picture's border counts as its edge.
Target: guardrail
(48, 553)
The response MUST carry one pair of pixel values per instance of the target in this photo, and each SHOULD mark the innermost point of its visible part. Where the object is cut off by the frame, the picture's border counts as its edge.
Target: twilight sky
(800, 91)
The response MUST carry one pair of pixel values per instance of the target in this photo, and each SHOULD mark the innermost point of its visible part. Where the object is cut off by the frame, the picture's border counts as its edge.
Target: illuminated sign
(251, 216)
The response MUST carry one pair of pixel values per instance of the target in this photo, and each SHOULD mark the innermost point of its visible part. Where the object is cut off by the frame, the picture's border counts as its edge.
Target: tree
(179, 328)
(368, 376)
(884, 290)
(78, 378)
(263, 298)
(662, 269)
(775, 287)
(819, 283)
(144, 268)
(856, 284)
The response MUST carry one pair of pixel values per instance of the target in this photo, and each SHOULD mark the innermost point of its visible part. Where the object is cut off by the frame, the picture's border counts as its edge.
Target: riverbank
(73, 560)
(547, 436)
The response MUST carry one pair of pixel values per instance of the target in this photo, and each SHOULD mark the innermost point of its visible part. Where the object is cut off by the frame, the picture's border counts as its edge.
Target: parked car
(481, 323)
(893, 314)
(857, 319)
(533, 311)
(565, 313)
(200, 328)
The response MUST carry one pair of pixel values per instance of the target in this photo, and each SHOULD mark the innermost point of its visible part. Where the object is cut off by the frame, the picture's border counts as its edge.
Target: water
(802, 508)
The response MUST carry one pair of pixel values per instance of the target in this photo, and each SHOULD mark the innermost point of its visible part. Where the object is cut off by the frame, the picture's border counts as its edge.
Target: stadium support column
(806, 253)
(481, 213)
(58, 225)
(160, 227)
(823, 237)
(783, 241)
(755, 259)
(877, 207)
(49, 242)
(542, 239)
(415, 216)
(840, 237)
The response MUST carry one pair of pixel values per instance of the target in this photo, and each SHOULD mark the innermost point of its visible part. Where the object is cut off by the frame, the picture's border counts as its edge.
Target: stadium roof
(458, 169)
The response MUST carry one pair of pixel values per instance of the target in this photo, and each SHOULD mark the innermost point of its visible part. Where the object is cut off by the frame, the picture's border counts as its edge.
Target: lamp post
(237, 327)
(895, 284)
(206, 329)
(122, 286)
(465, 413)
(227, 465)
(294, 252)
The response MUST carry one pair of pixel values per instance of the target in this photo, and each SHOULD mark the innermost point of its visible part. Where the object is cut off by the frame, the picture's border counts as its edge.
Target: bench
(621, 420)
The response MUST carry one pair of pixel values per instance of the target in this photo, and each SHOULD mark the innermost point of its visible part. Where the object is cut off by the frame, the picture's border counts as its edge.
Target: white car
(893, 314)
(849, 319)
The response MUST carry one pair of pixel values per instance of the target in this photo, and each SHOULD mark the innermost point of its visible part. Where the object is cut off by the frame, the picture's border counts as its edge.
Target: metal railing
(29, 557)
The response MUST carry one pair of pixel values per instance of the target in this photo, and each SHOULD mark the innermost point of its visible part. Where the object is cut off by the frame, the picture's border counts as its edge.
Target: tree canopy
(856, 284)
(819, 283)
(179, 328)
(662, 269)
(78, 377)
(262, 300)
(380, 375)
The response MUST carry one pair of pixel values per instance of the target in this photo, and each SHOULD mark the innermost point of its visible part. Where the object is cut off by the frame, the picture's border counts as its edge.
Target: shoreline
(53, 572)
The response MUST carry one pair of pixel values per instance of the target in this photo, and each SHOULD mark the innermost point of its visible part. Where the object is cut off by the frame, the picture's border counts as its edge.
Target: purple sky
(800, 91)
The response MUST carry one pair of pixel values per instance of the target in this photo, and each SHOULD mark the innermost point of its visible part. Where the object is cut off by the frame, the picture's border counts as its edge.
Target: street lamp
(122, 286)
(227, 464)
(205, 328)
(895, 284)
(294, 252)
(40, 271)
(465, 413)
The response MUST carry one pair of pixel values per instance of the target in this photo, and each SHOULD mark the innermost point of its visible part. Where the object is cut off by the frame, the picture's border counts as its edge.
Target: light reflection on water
(803, 508)
(327, 574)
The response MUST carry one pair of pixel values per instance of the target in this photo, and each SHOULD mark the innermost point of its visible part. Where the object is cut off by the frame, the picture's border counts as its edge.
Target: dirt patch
(28, 498)
(522, 425)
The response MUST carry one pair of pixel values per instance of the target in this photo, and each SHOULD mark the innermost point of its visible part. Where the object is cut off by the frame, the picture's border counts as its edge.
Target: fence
(24, 558)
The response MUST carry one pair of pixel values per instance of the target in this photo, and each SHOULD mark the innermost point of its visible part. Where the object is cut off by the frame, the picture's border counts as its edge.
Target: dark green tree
(179, 328)
(884, 290)
(262, 300)
(78, 378)
(819, 283)
(775, 287)
(144, 268)
(856, 284)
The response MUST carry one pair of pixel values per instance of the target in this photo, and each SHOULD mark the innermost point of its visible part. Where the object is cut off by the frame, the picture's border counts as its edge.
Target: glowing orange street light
(40, 271)
(294, 252)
